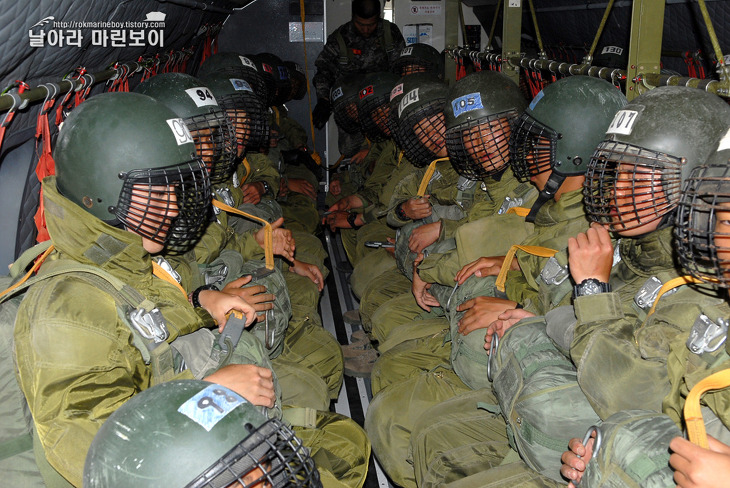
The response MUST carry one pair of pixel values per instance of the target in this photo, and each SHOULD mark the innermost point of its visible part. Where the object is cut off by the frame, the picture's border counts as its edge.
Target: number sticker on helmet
(240, 85)
(406, 52)
(201, 96)
(248, 63)
(211, 405)
(466, 103)
(397, 90)
(283, 73)
(623, 122)
(267, 68)
(612, 50)
(535, 100)
(368, 90)
(180, 131)
(336, 93)
(724, 142)
(408, 98)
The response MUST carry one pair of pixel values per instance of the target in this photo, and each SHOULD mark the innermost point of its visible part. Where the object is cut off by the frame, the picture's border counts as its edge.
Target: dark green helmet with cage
(373, 106)
(419, 58)
(234, 65)
(702, 232)
(298, 78)
(195, 434)
(343, 97)
(191, 100)
(280, 74)
(129, 160)
(482, 108)
(245, 110)
(417, 114)
(635, 175)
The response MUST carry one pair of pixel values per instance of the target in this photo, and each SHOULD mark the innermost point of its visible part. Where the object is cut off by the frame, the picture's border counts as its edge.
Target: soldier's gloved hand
(696, 467)
(424, 236)
(573, 464)
(321, 113)
(254, 383)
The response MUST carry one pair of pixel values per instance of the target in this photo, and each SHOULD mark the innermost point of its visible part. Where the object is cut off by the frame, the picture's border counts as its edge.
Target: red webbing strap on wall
(46, 166)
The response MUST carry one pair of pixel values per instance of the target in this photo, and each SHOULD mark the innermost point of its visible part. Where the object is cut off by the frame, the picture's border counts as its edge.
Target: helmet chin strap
(548, 193)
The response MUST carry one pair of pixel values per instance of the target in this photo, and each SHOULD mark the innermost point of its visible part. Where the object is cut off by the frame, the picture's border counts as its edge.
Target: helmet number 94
(201, 96)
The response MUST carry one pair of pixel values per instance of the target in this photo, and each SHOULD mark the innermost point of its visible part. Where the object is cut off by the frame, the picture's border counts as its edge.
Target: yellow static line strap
(315, 155)
(543, 252)
(521, 211)
(277, 117)
(32, 270)
(692, 413)
(159, 271)
(268, 231)
(400, 158)
(427, 177)
(247, 166)
(670, 285)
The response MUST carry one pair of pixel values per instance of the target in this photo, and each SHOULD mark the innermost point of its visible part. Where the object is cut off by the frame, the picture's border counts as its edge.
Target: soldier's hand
(696, 467)
(390, 250)
(420, 291)
(283, 241)
(252, 192)
(321, 113)
(590, 254)
(254, 383)
(337, 220)
(504, 321)
(359, 156)
(417, 207)
(573, 459)
(283, 189)
(481, 312)
(255, 295)
(424, 236)
(483, 267)
(302, 186)
(218, 304)
(309, 270)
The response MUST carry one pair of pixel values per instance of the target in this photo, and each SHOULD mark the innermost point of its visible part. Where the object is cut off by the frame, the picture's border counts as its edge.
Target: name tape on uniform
(210, 405)
(336, 93)
(248, 63)
(397, 90)
(201, 96)
(180, 131)
(623, 122)
(466, 103)
(408, 98)
(240, 85)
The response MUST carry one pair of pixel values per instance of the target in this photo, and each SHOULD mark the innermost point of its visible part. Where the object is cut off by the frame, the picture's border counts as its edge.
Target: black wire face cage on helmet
(249, 119)
(421, 133)
(409, 66)
(167, 205)
(215, 143)
(256, 80)
(480, 148)
(702, 236)
(271, 456)
(531, 147)
(374, 115)
(345, 112)
(628, 186)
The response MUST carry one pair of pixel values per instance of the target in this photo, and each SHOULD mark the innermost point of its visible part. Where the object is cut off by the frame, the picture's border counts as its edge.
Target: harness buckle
(648, 292)
(553, 273)
(150, 325)
(508, 203)
(706, 335)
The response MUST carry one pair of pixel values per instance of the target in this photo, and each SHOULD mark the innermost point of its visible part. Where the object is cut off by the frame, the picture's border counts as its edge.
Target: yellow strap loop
(247, 167)
(670, 285)
(277, 117)
(268, 231)
(160, 272)
(692, 410)
(315, 155)
(427, 177)
(520, 211)
(32, 270)
(543, 252)
(400, 158)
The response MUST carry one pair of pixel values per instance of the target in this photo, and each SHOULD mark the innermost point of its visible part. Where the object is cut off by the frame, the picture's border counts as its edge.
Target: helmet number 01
(201, 96)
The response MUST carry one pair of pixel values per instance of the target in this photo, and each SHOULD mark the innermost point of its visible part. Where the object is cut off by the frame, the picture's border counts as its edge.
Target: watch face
(591, 287)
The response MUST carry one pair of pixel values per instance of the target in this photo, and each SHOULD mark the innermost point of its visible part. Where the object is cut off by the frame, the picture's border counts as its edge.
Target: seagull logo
(43, 21)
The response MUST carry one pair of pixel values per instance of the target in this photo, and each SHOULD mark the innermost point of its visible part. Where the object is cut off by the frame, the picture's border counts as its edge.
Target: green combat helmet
(280, 73)
(190, 99)
(560, 130)
(344, 96)
(417, 115)
(245, 110)
(702, 245)
(650, 148)
(482, 109)
(193, 433)
(419, 58)
(234, 65)
(298, 80)
(373, 106)
(129, 160)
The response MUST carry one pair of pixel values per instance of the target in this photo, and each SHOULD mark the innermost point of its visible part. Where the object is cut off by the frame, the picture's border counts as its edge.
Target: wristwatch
(591, 286)
(267, 188)
(351, 217)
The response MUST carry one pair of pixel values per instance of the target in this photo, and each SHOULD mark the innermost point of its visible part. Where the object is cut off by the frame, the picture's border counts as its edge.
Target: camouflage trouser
(389, 284)
(512, 475)
(307, 343)
(457, 438)
(373, 265)
(394, 412)
(411, 357)
(339, 447)
(396, 312)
